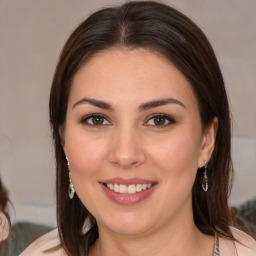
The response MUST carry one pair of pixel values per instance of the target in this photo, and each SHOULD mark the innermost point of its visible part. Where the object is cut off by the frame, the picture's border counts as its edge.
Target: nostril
(126, 153)
(125, 164)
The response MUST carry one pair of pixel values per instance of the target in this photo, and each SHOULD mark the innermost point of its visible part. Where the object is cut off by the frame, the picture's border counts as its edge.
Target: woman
(141, 125)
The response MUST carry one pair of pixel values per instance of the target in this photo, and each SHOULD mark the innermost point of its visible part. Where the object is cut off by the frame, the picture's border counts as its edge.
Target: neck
(178, 240)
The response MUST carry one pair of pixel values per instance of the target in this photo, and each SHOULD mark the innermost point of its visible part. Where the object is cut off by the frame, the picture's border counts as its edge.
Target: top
(223, 247)
(216, 251)
(4, 227)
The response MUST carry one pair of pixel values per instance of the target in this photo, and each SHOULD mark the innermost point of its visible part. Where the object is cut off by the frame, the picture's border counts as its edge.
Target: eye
(95, 120)
(160, 120)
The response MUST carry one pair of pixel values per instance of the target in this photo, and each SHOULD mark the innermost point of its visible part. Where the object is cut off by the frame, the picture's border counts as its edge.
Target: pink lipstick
(128, 191)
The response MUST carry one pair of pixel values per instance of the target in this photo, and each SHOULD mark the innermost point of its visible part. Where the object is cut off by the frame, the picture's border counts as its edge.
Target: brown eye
(95, 120)
(160, 120)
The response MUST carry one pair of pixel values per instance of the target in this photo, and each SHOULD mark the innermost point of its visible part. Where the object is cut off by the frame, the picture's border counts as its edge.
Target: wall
(32, 33)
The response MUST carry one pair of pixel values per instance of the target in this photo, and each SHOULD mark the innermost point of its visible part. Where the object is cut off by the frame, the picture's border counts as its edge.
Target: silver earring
(71, 190)
(205, 178)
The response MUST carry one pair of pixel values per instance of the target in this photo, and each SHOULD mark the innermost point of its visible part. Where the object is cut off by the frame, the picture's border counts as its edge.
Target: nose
(127, 149)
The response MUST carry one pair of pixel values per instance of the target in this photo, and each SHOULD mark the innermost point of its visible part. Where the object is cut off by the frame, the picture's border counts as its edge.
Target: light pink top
(246, 247)
(4, 227)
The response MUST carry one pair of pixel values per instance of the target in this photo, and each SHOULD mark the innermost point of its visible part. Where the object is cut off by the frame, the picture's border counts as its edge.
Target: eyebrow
(158, 103)
(96, 103)
(144, 106)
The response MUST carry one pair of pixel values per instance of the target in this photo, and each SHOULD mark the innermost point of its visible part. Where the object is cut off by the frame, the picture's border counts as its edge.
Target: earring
(205, 178)
(71, 190)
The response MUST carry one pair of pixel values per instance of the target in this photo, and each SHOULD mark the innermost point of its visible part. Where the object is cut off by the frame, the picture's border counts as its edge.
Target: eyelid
(87, 117)
(168, 117)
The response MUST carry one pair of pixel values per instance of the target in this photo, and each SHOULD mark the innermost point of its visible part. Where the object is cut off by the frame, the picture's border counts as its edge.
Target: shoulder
(46, 242)
(245, 245)
(4, 227)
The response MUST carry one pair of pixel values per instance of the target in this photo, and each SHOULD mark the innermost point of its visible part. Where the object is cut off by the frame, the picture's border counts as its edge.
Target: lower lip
(127, 199)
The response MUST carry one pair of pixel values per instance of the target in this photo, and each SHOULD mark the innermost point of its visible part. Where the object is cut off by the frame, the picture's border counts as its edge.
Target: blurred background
(32, 34)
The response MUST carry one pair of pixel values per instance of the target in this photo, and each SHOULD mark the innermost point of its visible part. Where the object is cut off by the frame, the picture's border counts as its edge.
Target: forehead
(130, 75)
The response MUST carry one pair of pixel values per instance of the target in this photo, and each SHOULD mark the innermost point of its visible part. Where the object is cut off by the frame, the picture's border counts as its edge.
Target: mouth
(128, 189)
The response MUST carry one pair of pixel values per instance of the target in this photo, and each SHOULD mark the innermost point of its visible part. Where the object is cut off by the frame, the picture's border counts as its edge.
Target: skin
(130, 144)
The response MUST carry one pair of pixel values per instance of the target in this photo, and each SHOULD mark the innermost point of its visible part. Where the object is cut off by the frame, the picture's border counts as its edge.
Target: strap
(216, 251)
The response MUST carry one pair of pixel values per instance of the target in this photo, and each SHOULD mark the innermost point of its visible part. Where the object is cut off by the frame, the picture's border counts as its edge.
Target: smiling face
(134, 141)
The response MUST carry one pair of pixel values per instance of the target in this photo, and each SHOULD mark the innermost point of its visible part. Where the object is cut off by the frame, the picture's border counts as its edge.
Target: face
(134, 141)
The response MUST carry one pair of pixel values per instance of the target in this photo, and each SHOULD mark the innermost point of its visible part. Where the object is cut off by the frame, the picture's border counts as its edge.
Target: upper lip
(128, 181)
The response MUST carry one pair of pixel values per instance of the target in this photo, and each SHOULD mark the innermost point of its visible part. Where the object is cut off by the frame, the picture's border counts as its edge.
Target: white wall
(32, 33)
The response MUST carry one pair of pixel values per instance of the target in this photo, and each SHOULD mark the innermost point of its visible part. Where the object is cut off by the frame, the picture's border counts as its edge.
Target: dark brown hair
(162, 29)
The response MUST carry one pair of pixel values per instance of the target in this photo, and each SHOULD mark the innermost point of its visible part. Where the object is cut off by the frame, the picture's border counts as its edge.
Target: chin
(129, 226)
(130, 230)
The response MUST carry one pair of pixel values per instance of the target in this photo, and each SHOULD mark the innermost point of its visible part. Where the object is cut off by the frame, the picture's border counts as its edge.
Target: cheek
(85, 154)
(176, 155)
(86, 159)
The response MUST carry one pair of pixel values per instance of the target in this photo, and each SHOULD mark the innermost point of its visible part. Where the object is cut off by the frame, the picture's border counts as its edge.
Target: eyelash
(168, 118)
(86, 118)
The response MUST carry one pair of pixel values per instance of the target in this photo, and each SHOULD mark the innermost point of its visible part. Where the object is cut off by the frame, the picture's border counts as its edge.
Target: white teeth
(139, 187)
(122, 189)
(116, 188)
(130, 189)
(144, 186)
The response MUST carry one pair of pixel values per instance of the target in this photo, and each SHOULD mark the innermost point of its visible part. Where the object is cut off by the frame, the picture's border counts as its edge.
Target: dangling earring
(205, 178)
(71, 190)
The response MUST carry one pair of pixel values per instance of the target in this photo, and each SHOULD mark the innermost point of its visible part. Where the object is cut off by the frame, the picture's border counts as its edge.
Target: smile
(127, 189)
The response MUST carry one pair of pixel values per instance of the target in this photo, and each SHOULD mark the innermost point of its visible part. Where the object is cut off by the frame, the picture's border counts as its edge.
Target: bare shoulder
(246, 245)
(45, 243)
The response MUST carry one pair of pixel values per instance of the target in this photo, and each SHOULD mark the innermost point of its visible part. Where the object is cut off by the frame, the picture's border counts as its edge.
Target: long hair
(162, 29)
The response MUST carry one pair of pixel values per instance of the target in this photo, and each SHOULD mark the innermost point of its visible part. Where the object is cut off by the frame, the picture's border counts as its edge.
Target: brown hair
(160, 28)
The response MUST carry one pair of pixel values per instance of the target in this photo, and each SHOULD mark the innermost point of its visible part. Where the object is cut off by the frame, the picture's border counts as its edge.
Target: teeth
(144, 186)
(116, 188)
(131, 189)
(139, 187)
(122, 189)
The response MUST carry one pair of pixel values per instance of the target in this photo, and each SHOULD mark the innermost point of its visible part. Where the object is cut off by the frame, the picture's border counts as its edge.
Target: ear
(208, 142)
